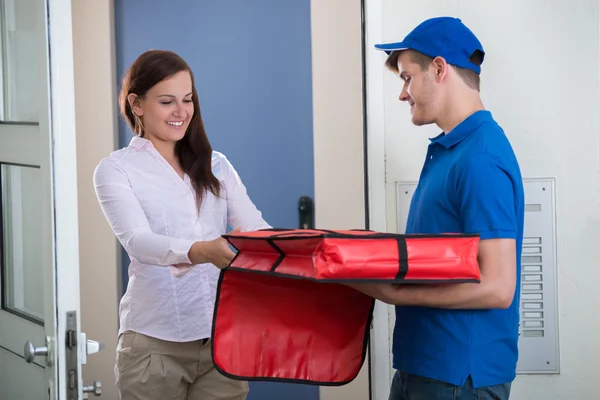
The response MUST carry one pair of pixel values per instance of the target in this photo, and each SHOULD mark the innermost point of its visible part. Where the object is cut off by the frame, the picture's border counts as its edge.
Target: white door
(41, 348)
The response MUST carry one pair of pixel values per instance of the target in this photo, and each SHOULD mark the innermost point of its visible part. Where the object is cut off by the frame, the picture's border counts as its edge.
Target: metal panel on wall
(538, 328)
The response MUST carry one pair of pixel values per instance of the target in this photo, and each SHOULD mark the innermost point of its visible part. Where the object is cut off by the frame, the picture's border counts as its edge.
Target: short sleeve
(485, 195)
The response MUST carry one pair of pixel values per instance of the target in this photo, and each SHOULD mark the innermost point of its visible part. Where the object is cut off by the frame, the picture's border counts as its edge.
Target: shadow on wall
(252, 64)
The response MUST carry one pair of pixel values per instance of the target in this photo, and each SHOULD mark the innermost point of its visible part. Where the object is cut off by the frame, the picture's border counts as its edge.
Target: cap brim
(389, 47)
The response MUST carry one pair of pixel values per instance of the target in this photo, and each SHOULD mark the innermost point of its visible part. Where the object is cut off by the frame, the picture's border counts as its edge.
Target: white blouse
(153, 213)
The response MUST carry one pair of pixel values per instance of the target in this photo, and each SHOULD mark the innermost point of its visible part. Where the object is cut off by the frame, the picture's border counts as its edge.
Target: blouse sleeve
(129, 223)
(241, 211)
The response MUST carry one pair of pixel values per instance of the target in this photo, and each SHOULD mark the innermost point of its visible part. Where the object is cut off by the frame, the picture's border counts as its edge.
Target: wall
(95, 107)
(338, 121)
(540, 80)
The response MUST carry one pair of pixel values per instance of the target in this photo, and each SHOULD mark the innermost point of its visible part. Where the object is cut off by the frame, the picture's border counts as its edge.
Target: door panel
(39, 279)
(252, 65)
(20, 144)
(19, 380)
(25, 231)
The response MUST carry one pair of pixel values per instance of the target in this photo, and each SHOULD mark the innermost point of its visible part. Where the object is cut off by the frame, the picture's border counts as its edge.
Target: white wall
(541, 81)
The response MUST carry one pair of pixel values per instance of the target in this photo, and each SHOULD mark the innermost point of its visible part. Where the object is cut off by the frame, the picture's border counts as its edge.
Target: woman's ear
(134, 104)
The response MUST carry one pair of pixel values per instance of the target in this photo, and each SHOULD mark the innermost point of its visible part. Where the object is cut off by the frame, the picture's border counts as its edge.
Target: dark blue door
(252, 63)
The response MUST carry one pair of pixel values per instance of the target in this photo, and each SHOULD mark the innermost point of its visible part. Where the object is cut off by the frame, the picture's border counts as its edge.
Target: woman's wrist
(197, 253)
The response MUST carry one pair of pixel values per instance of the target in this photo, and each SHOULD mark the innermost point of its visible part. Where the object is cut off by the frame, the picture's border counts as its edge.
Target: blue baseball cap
(445, 37)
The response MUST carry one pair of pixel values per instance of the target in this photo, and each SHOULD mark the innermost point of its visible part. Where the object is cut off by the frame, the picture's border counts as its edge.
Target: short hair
(470, 77)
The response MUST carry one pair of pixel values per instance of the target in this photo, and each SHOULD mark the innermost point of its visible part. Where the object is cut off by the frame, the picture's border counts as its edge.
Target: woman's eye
(170, 102)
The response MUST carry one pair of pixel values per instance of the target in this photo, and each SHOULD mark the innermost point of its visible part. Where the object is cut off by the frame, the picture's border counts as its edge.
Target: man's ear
(440, 68)
(134, 104)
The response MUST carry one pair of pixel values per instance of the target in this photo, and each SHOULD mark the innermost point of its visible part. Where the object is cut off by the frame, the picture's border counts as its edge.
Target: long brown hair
(193, 150)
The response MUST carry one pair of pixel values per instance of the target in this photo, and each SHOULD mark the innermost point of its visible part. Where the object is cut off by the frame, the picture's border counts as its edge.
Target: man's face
(419, 90)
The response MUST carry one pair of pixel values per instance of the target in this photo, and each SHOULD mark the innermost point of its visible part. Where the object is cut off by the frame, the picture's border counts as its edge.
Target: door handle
(306, 213)
(30, 352)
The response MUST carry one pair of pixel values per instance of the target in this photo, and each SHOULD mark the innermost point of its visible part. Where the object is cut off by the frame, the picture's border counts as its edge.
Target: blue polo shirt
(470, 183)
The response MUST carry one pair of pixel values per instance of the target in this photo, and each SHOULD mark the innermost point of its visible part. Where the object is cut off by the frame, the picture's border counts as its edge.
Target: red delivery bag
(283, 314)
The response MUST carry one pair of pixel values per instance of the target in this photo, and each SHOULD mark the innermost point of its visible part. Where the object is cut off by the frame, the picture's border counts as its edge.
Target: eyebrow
(170, 95)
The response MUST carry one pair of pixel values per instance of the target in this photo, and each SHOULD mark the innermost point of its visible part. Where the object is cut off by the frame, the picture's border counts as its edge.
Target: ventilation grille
(532, 287)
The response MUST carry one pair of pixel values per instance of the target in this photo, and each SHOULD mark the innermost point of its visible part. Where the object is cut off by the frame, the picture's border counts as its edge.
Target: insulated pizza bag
(283, 314)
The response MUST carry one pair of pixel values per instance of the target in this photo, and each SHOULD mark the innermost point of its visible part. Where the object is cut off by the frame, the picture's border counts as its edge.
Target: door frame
(64, 189)
(380, 348)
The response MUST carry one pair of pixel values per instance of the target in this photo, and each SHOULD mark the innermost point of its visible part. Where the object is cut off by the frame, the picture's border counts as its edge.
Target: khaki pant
(154, 369)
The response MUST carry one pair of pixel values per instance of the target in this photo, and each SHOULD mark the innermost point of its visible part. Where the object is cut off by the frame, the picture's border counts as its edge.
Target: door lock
(71, 356)
(90, 347)
(95, 389)
(76, 351)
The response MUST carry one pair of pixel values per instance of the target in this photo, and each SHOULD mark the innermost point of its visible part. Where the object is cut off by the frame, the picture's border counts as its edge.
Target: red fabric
(278, 316)
(289, 329)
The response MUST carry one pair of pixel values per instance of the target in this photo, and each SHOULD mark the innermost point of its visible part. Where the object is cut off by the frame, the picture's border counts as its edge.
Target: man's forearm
(453, 296)
(484, 295)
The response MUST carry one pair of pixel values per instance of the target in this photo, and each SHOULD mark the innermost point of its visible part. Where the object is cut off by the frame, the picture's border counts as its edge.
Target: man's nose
(404, 96)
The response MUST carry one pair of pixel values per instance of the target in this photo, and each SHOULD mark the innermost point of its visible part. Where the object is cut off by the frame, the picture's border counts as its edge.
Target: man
(457, 341)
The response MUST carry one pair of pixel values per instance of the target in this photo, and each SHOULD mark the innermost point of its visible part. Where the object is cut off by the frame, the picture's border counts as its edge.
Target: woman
(168, 197)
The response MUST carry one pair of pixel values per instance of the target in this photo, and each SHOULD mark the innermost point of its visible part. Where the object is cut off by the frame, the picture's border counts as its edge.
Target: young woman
(168, 197)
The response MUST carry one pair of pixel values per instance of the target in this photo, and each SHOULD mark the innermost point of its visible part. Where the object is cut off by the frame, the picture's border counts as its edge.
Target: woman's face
(166, 109)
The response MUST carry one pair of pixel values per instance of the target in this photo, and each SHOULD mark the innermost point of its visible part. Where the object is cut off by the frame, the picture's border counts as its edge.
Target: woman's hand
(216, 252)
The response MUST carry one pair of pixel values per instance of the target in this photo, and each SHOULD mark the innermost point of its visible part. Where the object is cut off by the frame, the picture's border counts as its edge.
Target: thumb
(236, 230)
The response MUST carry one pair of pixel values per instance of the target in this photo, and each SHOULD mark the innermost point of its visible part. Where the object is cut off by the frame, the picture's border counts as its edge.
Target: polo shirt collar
(463, 130)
